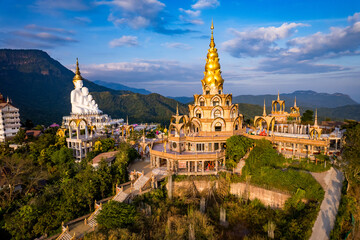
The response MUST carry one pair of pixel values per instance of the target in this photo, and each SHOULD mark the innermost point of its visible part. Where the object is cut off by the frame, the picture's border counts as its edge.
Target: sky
(265, 46)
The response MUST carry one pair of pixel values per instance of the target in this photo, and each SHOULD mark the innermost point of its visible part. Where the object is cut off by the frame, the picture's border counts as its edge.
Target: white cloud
(190, 12)
(177, 45)
(339, 42)
(201, 4)
(124, 41)
(135, 13)
(259, 41)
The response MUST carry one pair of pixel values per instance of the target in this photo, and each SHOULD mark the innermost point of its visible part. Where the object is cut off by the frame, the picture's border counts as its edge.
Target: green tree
(236, 148)
(20, 136)
(307, 117)
(116, 215)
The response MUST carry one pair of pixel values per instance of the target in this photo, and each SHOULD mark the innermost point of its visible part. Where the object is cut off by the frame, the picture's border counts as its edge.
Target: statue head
(90, 97)
(85, 91)
(78, 84)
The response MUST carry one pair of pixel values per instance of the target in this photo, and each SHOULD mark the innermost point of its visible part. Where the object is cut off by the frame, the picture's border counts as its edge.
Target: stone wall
(270, 198)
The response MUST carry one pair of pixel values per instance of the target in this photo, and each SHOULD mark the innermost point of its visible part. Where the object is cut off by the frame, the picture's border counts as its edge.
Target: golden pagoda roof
(212, 74)
(77, 76)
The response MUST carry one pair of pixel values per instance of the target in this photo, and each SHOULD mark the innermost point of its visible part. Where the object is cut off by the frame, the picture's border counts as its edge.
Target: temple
(86, 119)
(291, 137)
(9, 119)
(196, 142)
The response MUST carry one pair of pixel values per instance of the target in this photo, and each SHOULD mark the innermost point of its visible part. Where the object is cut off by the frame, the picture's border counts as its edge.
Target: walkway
(241, 163)
(331, 181)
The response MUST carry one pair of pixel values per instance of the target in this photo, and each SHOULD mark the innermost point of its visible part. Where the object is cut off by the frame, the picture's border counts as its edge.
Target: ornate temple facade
(196, 142)
(9, 119)
(293, 138)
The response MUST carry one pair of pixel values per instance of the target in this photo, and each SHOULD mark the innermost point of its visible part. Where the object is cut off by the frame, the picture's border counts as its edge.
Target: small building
(108, 157)
(33, 133)
(9, 119)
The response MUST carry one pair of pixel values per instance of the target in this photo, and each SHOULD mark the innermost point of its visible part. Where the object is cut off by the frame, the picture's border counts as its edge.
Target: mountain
(118, 86)
(40, 87)
(308, 98)
(185, 100)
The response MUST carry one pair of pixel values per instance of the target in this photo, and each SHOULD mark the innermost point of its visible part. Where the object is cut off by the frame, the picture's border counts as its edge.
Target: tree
(307, 117)
(236, 148)
(116, 215)
(20, 136)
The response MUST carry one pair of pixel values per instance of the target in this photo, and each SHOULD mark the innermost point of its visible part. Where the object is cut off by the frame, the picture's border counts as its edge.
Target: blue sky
(264, 45)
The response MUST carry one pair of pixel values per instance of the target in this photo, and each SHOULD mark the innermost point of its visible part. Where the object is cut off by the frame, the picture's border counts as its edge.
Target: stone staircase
(91, 221)
(65, 235)
(121, 196)
(140, 182)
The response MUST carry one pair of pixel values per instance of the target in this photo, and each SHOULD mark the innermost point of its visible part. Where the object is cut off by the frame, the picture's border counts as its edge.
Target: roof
(107, 156)
(34, 133)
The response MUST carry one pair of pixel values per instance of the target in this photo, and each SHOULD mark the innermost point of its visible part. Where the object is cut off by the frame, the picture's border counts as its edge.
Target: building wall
(9, 122)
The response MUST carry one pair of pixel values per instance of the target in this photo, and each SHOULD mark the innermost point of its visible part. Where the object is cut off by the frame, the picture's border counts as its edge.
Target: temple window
(215, 102)
(219, 91)
(200, 147)
(217, 113)
(218, 127)
(207, 92)
(198, 114)
(227, 103)
(236, 127)
(202, 103)
(216, 146)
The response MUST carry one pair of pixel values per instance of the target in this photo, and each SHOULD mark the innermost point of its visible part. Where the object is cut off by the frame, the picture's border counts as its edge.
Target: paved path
(331, 181)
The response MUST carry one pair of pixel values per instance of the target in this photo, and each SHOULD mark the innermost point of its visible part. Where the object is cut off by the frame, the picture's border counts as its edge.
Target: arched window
(217, 113)
(198, 114)
(233, 113)
(202, 102)
(216, 101)
(218, 127)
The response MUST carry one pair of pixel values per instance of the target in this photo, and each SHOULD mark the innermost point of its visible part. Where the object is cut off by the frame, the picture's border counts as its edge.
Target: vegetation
(266, 168)
(116, 215)
(307, 117)
(350, 201)
(45, 186)
(236, 148)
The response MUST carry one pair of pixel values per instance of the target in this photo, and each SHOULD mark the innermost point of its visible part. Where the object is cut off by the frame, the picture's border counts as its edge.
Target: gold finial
(315, 122)
(295, 102)
(278, 96)
(77, 76)
(264, 111)
(127, 120)
(212, 43)
(177, 109)
(212, 76)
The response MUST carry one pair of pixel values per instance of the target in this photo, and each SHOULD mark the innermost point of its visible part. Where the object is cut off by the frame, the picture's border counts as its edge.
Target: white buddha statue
(81, 101)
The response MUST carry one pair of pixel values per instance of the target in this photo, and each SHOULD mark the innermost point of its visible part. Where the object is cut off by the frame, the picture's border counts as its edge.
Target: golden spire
(177, 109)
(212, 43)
(127, 120)
(295, 103)
(77, 76)
(264, 111)
(315, 122)
(278, 96)
(212, 75)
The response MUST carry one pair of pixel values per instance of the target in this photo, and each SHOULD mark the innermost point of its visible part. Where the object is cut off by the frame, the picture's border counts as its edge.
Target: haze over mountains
(40, 86)
(305, 98)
